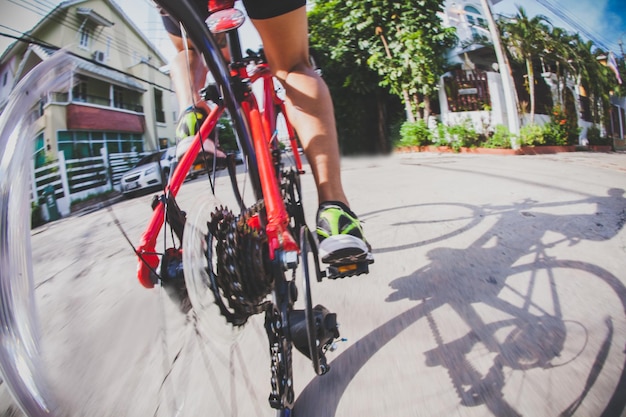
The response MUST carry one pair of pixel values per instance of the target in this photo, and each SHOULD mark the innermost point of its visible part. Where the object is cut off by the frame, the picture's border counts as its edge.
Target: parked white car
(150, 172)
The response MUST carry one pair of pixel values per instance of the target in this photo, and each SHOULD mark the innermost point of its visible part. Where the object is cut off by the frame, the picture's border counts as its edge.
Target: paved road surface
(498, 290)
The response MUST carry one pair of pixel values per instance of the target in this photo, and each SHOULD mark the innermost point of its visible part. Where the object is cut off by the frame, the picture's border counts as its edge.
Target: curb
(97, 206)
(525, 150)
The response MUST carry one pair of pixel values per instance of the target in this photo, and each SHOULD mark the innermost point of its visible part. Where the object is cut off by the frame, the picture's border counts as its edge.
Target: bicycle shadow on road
(520, 257)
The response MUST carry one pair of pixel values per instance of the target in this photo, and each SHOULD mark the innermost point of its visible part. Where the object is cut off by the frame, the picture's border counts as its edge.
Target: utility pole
(510, 95)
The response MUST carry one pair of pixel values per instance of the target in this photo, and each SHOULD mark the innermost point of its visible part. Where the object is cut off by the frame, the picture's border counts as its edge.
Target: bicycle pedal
(347, 270)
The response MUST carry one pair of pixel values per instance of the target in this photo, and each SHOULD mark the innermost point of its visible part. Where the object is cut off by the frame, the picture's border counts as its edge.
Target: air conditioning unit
(99, 56)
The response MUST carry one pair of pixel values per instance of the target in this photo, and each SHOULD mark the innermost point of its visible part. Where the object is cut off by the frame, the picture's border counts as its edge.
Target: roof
(94, 16)
(108, 74)
(94, 69)
(52, 17)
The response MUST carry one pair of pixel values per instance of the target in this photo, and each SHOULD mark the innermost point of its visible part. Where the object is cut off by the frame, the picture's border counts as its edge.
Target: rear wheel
(285, 412)
(311, 270)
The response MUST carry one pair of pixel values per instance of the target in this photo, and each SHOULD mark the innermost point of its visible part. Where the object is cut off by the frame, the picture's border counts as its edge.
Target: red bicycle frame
(263, 130)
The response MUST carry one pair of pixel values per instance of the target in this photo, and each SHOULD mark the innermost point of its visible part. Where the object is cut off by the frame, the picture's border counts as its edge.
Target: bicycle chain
(244, 280)
(242, 275)
(281, 381)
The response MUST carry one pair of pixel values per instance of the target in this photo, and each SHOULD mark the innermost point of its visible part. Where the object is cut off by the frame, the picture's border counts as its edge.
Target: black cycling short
(265, 9)
(256, 9)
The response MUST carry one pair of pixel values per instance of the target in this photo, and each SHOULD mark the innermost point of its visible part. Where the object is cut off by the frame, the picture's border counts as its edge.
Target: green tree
(410, 52)
(363, 110)
(592, 76)
(404, 42)
(526, 39)
(559, 56)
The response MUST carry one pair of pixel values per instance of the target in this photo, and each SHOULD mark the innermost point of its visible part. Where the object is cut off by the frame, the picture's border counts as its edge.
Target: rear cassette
(196, 272)
(225, 274)
(239, 279)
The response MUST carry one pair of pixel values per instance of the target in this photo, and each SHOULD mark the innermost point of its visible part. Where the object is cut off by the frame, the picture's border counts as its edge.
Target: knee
(299, 68)
(179, 44)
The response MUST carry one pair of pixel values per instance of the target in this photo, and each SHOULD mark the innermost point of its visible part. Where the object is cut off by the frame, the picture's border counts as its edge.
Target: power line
(572, 21)
(56, 48)
(72, 22)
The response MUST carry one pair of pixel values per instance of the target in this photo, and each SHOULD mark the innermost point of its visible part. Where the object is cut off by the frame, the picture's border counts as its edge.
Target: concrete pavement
(498, 290)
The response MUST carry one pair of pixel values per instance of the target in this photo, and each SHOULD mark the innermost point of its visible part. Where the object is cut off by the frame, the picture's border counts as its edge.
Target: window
(40, 151)
(79, 92)
(118, 97)
(85, 37)
(472, 12)
(82, 144)
(158, 106)
(4, 78)
(474, 18)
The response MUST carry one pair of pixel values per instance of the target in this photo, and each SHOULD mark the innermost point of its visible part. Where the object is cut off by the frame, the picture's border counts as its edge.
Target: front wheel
(20, 361)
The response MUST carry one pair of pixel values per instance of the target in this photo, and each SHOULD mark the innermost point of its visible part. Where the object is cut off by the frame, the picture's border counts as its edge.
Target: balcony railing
(106, 102)
(59, 97)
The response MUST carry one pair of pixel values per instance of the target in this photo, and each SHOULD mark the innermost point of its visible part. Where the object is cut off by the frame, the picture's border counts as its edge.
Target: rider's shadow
(462, 278)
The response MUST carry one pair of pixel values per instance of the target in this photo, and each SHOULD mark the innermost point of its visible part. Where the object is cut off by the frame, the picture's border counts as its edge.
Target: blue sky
(602, 20)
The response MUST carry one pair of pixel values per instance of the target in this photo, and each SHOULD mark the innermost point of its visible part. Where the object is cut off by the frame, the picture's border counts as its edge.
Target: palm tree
(593, 76)
(559, 51)
(526, 39)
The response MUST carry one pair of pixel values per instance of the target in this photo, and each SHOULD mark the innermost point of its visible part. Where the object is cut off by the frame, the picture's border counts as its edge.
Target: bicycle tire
(203, 280)
(310, 263)
(198, 260)
(285, 412)
(20, 362)
(198, 33)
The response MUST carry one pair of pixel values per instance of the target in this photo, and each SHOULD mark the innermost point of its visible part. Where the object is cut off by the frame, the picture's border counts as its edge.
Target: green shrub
(440, 138)
(440, 135)
(463, 135)
(594, 137)
(501, 138)
(554, 134)
(531, 135)
(415, 134)
(560, 129)
(36, 218)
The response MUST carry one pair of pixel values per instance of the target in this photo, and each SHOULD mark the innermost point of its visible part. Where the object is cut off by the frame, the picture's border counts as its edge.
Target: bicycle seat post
(234, 46)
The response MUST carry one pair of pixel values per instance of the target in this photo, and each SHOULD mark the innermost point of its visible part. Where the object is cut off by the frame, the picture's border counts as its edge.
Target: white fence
(77, 179)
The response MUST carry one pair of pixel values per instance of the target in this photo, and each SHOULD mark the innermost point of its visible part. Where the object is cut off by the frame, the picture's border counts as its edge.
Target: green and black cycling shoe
(189, 123)
(188, 126)
(340, 236)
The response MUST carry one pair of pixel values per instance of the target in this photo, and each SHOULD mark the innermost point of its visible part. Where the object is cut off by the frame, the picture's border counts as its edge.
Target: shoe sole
(343, 249)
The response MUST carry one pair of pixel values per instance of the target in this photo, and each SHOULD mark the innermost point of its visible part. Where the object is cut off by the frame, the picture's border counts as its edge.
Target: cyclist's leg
(188, 74)
(310, 110)
(309, 105)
